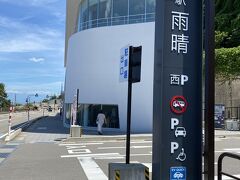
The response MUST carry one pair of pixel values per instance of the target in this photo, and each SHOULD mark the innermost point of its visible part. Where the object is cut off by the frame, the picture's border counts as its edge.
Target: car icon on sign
(180, 131)
(178, 103)
(178, 175)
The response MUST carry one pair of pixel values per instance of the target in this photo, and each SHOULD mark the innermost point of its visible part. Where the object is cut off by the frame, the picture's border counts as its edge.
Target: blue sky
(32, 35)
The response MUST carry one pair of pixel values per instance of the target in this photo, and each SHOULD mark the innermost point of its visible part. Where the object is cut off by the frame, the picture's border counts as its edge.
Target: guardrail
(220, 159)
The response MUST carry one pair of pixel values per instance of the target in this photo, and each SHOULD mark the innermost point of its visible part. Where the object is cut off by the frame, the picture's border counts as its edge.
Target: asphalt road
(39, 155)
(17, 119)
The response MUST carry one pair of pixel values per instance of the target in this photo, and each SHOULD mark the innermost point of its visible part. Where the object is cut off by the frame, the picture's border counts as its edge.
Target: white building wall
(93, 67)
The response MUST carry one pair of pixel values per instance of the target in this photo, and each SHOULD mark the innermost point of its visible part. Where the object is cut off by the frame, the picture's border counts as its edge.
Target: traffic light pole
(209, 91)
(128, 121)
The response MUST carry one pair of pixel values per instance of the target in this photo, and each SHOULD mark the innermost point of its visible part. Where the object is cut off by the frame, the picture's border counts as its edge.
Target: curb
(14, 133)
(106, 138)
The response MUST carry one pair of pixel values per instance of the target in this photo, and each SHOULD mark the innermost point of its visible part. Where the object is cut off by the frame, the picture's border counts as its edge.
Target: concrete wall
(222, 93)
(93, 61)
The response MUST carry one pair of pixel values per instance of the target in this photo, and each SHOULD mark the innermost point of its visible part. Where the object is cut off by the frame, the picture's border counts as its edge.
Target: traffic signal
(135, 58)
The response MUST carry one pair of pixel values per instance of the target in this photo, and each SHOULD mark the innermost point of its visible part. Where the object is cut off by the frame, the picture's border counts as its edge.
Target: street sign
(74, 110)
(177, 102)
(178, 173)
(124, 64)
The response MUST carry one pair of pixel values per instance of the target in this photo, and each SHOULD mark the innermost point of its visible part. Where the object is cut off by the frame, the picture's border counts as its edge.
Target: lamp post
(28, 102)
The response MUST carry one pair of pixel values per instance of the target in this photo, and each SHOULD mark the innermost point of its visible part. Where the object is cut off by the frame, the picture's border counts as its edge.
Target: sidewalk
(90, 134)
(35, 154)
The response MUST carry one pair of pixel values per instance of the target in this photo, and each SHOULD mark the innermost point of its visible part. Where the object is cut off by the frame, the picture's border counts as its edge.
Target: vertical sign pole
(209, 91)
(129, 108)
(10, 121)
(77, 105)
(128, 122)
(177, 102)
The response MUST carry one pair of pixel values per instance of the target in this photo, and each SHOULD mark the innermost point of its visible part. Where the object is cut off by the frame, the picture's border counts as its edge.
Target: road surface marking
(79, 151)
(4, 120)
(91, 169)
(227, 178)
(42, 128)
(123, 147)
(79, 144)
(110, 157)
(232, 149)
(91, 155)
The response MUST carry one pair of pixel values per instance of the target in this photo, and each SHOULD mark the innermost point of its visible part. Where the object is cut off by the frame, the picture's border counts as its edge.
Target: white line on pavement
(232, 149)
(227, 178)
(227, 151)
(3, 120)
(79, 144)
(123, 147)
(91, 155)
(91, 169)
(111, 157)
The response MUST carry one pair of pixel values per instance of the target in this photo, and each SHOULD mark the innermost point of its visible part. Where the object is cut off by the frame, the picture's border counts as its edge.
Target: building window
(87, 115)
(98, 13)
(83, 15)
(104, 13)
(120, 12)
(136, 11)
(150, 10)
(93, 13)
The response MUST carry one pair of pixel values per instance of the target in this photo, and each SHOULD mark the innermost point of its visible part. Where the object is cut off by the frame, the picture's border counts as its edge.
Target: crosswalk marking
(91, 155)
(79, 144)
(227, 178)
(91, 169)
(123, 147)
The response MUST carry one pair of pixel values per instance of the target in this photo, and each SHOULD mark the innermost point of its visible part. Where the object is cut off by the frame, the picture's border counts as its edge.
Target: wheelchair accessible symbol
(182, 156)
(178, 104)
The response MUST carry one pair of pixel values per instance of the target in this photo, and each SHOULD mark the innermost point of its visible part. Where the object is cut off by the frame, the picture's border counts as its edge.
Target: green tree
(4, 102)
(228, 66)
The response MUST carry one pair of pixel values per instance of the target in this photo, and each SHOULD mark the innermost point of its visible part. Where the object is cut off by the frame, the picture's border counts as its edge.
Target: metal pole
(28, 99)
(10, 121)
(128, 122)
(129, 102)
(77, 104)
(209, 91)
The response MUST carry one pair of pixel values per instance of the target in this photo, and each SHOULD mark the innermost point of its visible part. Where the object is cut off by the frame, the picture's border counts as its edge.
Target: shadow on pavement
(50, 124)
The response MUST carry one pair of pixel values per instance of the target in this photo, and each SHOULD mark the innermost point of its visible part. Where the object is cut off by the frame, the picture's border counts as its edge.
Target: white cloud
(36, 60)
(41, 88)
(21, 37)
(31, 2)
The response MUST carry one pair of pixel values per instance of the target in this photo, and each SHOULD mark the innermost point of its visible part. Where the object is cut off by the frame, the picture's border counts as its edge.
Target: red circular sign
(178, 104)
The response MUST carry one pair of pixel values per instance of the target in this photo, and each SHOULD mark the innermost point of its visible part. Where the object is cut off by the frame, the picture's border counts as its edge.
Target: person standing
(101, 118)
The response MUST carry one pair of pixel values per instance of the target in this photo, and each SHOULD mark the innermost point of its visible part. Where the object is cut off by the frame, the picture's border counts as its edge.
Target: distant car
(49, 109)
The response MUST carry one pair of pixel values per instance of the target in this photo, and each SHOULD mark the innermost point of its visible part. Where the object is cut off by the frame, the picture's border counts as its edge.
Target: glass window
(84, 15)
(120, 12)
(68, 113)
(104, 12)
(87, 115)
(150, 8)
(136, 11)
(93, 13)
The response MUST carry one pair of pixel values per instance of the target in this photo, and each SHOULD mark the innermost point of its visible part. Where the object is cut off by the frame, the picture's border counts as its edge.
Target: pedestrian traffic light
(135, 58)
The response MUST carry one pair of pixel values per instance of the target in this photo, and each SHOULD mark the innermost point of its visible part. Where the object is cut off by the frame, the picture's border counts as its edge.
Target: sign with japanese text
(177, 102)
(124, 64)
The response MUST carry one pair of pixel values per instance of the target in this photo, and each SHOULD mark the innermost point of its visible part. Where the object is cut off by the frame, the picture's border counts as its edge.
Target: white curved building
(96, 30)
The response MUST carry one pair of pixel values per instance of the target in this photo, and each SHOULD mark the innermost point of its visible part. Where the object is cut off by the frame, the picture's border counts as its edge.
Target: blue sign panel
(124, 61)
(178, 173)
